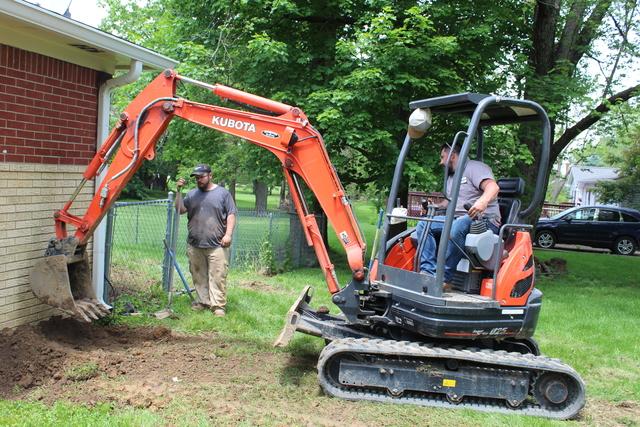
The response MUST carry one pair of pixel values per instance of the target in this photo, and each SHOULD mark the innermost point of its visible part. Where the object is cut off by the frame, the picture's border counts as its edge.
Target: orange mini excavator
(399, 337)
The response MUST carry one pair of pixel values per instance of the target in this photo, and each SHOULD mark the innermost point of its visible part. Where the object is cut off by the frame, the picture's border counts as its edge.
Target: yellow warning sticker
(448, 383)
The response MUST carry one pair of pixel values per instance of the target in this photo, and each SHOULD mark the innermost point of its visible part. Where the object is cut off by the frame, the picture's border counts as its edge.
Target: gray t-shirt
(470, 191)
(207, 212)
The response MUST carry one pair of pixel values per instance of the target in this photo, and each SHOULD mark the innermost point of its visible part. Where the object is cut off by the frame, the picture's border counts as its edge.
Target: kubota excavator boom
(62, 277)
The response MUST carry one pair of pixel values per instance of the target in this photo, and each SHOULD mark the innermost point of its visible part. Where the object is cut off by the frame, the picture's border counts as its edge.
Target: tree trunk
(232, 188)
(323, 223)
(261, 191)
(283, 203)
(551, 61)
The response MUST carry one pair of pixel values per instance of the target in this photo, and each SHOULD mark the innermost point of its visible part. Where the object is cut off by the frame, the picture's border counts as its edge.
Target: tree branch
(571, 28)
(589, 31)
(587, 121)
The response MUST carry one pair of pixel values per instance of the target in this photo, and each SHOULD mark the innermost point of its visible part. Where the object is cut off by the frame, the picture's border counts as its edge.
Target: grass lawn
(590, 319)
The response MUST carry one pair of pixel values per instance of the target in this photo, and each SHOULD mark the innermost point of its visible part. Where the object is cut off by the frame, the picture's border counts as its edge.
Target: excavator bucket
(67, 286)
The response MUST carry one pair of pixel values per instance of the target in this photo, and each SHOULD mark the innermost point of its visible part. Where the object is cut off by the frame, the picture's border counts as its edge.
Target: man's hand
(180, 183)
(226, 241)
(478, 208)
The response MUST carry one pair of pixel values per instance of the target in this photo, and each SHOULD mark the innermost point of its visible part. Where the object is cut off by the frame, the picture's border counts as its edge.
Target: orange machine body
(515, 277)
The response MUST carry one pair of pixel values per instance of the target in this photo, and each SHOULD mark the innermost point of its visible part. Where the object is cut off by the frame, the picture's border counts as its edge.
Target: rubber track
(500, 359)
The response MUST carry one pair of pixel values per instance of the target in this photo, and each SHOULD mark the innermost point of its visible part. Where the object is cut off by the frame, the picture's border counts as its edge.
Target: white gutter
(104, 104)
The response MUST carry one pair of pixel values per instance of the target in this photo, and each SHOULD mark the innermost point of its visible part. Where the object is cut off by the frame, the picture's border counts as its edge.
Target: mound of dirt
(32, 354)
(256, 285)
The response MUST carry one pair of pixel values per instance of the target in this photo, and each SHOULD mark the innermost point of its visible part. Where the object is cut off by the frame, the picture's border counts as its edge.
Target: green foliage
(267, 258)
(144, 299)
(352, 66)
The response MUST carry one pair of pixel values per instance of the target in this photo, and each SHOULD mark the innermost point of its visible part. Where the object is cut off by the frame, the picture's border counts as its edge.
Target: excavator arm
(283, 130)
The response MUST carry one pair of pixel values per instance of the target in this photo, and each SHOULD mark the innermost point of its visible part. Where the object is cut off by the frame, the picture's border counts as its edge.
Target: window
(587, 214)
(628, 218)
(608, 215)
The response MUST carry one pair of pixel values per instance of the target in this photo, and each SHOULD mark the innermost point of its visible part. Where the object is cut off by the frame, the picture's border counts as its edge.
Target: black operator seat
(509, 198)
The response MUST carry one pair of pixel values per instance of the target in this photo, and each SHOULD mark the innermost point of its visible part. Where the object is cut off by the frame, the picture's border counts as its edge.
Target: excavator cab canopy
(481, 111)
(486, 111)
(467, 103)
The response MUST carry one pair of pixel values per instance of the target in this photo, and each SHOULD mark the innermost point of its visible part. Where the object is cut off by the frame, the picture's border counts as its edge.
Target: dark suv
(608, 227)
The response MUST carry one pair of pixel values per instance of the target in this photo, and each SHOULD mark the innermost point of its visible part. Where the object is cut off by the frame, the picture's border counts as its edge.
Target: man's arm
(490, 191)
(179, 203)
(231, 223)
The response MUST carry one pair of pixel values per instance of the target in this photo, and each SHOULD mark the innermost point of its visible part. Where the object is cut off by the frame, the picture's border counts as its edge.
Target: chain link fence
(136, 257)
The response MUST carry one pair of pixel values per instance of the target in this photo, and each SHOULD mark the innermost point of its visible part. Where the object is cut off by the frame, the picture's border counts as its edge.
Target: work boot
(198, 306)
(219, 312)
(447, 287)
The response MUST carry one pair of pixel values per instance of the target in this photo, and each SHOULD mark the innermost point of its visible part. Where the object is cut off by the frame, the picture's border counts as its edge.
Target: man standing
(211, 215)
(477, 188)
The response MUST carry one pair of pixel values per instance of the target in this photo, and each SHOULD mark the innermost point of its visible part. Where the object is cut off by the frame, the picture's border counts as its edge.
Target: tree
(353, 66)
(564, 35)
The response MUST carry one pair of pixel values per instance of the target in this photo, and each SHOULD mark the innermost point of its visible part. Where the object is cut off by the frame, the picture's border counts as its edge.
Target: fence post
(167, 268)
(173, 243)
(108, 246)
(234, 234)
(137, 222)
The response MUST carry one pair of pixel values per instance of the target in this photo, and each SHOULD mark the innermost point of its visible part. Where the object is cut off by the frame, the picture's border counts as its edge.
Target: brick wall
(48, 109)
(48, 119)
(29, 194)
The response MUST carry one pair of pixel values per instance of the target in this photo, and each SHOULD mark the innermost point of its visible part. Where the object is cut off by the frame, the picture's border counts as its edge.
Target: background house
(582, 180)
(55, 85)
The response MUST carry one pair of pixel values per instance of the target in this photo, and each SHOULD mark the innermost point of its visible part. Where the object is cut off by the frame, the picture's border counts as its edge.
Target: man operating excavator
(479, 189)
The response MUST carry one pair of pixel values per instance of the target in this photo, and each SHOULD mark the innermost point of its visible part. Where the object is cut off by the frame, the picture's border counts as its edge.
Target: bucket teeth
(91, 309)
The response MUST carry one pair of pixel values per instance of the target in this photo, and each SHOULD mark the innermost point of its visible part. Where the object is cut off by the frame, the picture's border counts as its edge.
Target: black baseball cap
(200, 170)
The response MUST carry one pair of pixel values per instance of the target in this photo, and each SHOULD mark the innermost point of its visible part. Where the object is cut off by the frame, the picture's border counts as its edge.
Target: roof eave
(52, 21)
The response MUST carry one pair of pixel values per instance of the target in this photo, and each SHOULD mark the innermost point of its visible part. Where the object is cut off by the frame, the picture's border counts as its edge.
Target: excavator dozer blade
(67, 286)
(292, 319)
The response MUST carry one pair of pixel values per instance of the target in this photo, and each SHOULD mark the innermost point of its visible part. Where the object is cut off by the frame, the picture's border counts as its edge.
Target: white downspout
(104, 104)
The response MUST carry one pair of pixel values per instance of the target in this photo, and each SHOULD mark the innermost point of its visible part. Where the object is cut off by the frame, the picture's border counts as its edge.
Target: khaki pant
(209, 267)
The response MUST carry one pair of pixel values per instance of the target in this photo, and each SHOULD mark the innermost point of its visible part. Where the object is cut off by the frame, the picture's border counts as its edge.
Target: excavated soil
(157, 369)
(50, 352)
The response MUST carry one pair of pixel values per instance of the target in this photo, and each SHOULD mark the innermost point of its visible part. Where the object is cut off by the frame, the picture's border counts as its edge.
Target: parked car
(608, 227)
